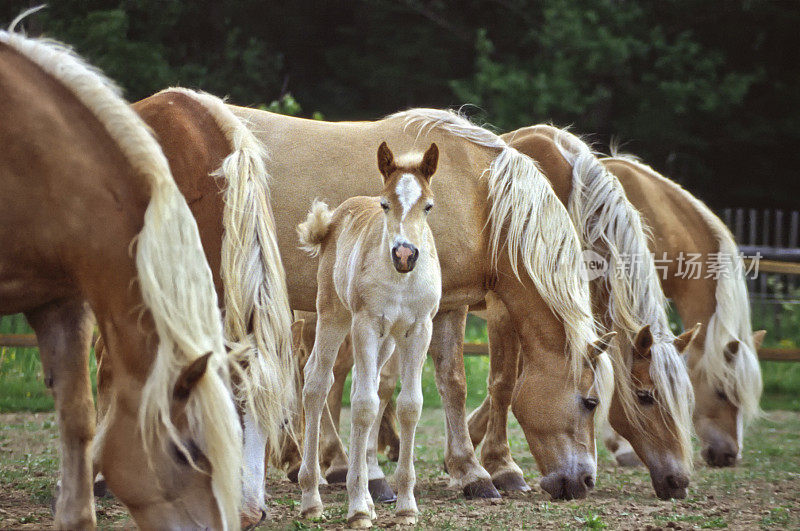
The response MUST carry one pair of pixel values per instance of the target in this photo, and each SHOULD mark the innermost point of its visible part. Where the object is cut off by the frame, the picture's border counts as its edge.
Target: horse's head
(406, 200)
(652, 408)
(718, 414)
(171, 487)
(558, 418)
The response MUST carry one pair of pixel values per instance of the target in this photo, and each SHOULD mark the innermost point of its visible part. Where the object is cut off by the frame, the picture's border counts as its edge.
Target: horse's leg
(333, 455)
(365, 335)
(388, 439)
(64, 333)
(504, 351)
(379, 488)
(318, 379)
(478, 420)
(253, 472)
(447, 351)
(413, 349)
(104, 375)
(622, 449)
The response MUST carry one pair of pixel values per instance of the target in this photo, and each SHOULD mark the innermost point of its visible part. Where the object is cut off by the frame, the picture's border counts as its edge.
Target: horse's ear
(730, 351)
(189, 377)
(643, 343)
(297, 333)
(429, 162)
(600, 345)
(385, 160)
(758, 338)
(683, 341)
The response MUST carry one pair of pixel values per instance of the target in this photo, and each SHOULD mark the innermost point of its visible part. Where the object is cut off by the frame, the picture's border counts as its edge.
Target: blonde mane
(539, 233)
(257, 315)
(174, 279)
(611, 226)
(740, 381)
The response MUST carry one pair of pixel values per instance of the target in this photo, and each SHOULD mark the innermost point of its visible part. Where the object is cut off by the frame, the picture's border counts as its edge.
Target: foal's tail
(315, 228)
(257, 315)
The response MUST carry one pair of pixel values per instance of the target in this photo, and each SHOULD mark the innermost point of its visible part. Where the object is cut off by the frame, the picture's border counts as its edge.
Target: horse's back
(541, 147)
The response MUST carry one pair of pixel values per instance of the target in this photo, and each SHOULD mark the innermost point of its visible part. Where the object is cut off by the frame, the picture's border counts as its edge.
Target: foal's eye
(590, 402)
(385, 206)
(428, 207)
(645, 397)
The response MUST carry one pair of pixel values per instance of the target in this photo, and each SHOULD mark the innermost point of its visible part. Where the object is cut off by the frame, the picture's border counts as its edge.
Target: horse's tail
(257, 315)
(315, 228)
(175, 283)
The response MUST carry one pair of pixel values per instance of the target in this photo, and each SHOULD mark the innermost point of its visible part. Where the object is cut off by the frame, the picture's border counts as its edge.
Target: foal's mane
(538, 233)
(173, 276)
(611, 226)
(741, 381)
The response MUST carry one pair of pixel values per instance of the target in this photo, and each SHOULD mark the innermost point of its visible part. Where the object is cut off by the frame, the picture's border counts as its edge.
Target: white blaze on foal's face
(406, 201)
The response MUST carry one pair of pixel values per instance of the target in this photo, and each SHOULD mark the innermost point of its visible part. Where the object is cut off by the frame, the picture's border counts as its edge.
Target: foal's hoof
(336, 475)
(292, 474)
(405, 519)
(510, 481)
(482, 488)
(380, 491)
(251, 521)
(312, 512)
(359, 521)
(628, 459)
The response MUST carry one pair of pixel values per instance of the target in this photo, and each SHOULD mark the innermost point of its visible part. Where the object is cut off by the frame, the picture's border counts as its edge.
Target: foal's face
(406, 201)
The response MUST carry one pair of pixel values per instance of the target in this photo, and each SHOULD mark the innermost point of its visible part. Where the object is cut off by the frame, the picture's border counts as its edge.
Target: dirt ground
(763, 492)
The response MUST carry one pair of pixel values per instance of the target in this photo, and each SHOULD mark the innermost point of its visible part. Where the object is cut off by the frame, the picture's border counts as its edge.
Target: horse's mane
(174, 279)
(257, 315)
(539, 233)
(611, 226)
(740, 381)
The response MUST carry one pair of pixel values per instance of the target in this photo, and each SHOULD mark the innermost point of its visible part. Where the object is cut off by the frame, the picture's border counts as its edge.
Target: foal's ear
(683, 341)
(429, 162)
(385, 160)
(643, 343)
(189, 377)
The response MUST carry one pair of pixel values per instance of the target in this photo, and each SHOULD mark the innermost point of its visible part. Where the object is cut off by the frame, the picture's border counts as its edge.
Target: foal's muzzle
(404, 257)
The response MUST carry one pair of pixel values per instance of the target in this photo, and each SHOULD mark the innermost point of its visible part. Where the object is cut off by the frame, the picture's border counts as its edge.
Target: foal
(379, 279)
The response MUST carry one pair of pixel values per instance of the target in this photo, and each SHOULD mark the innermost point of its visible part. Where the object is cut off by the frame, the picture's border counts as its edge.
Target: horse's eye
(590, 403)
(428, 207)
(721, 394)
(645, 397)
(385, 206)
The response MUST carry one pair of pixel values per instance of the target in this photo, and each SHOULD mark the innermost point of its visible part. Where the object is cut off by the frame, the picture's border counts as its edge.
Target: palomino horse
(653, 394)
(92, 222)
(379, 279)
(546, 297)
(238, 236)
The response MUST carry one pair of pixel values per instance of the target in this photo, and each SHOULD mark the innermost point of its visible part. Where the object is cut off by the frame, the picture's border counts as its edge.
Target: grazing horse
(652, 401)
(238, 236)
(379, 279)
(529, 256)
(92, 223)
(723, 363)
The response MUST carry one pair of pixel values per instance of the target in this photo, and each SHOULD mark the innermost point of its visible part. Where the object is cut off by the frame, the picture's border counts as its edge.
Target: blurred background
(705, 91)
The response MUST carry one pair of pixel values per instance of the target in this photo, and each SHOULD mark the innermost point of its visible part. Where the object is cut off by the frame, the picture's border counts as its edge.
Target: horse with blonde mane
(94, 224)
(379, 279)
(515, 258)
(237, 232)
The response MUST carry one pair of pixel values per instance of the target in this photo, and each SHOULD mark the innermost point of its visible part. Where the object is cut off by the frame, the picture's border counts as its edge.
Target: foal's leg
(334, 458)
(64, 332)
(413, 350)
(364, 402)
(447, 351)
(379, 488)
(504, 349)
(318, 378)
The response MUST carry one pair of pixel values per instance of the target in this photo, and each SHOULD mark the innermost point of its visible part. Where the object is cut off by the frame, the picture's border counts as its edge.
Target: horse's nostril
(730, 459)
(678, 481)
(588, 480)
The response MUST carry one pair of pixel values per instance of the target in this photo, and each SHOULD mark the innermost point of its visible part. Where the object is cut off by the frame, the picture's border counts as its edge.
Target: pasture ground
(762, 492)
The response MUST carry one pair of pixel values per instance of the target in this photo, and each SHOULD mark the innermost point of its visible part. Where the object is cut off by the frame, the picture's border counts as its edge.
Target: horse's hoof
(628, 459)
(510, 481)
(312, 512)
(381, 492)
(249, 521)
(337, 475)
(405, 519)
(444, 466)
(393, 454)
(293, 473)
(359, 521)
(482, 488)
(100, 488)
